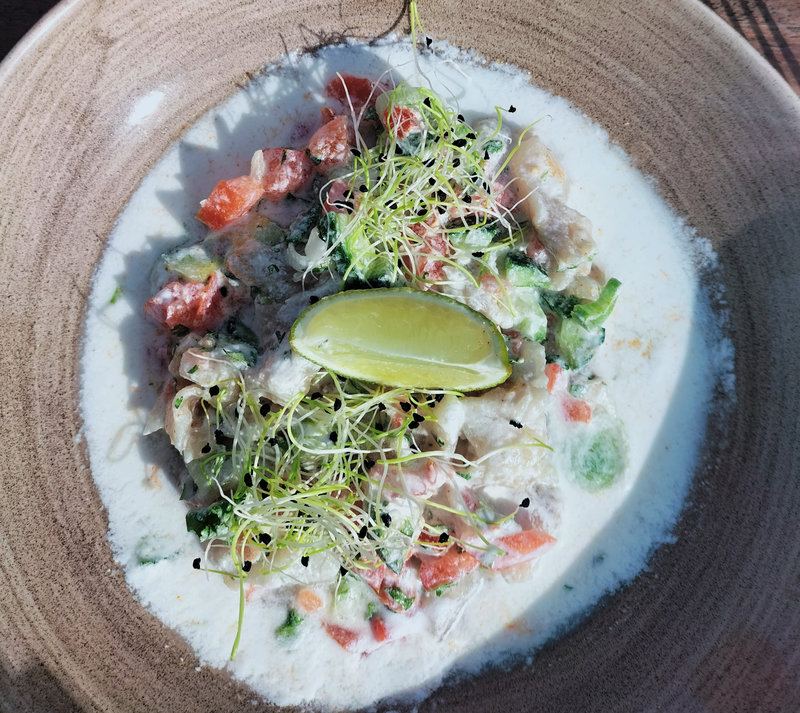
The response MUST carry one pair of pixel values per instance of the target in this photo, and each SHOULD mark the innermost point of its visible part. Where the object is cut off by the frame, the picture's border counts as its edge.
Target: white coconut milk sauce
(663, 355)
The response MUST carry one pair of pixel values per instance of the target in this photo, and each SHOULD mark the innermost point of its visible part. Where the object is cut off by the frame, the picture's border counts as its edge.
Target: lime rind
(402, 337)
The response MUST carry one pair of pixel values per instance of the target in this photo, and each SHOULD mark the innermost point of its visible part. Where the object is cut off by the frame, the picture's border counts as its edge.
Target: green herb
(397, 595)
(116, 295)
(177, 403)
(371, 609)
(212, 521)
(463, 474)
(192, 370)
(288, 629)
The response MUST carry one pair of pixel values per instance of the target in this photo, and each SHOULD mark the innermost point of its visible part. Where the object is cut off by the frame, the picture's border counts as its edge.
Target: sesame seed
(369, 464)
(196, 563)
(428, 41)
(223, 290)
(432, 181)
(427, 100)
(355, 152)
(214, 390)
(218, 435)
(316, 395)
(512, 109)
(461, 118)
(419, 418)
(334, 436)
(313, 299)
(265, 538)
(413, 425)
(515, 424)
(456, 162)
(405, 406)
(478, 253)
(362, 533)
(458, 143)
(485, 155)
(386, 518)
(264, 410)
(337, 404)
(471, 136)
(525, 502)
(206, 448)
(248, 480)
(342, 571)
(247, 565)
(304, 560)
(444, 537)
(272, 442)
(363, 188)
(467, 199)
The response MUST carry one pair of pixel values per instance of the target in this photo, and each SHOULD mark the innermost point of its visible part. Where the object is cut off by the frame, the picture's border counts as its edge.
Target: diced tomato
(373, 576)
(445, 569)
(520, 547)
(349, 89)
(346, 638)
(575, 409)
(329, 147)
(194, 305)
(552, 371)
(287, 170)
(401, 122)
(229, 201)
(308, 600)
(379, 629)
(339, 195)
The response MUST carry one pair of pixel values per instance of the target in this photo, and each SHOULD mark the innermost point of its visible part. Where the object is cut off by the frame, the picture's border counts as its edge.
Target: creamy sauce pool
(662, 357)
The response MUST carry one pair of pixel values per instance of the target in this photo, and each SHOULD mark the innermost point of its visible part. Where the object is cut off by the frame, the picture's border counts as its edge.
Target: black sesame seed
(265, 538)
(247, 565)
(428, 41)
(218, 435)
(525, 502)
(432, 181)
(337, 404)
(214, 390)
(206, 448)
(439, 397)
(313, 299)
(413, 425)
(485, 155)
(196, 563)
(405, 406)
(342, 571)
(355, 152)
(419, 418)
(458, 143)
(471, 136)
(444, 537)
(461, 118)
(224, 290)
(369, 464)
(381, 407)
(429, 162)
(391, 205)
(386, 519)
(304, 560)
(477, 254)
(467, 199)
(264, 410)
(272, 442)
(440, 209)
(362, 533)
(334, 436)
(363, 188)
(512, 108)
(515, 424)
(248, 480)
(456, 162)
(316, 395)
(427, 100)
(422, 211)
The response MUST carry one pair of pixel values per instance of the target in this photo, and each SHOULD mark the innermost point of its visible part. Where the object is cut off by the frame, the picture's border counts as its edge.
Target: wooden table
(771, 26)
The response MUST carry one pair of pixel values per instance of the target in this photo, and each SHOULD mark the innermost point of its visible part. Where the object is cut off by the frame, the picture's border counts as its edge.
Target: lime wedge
(398, 336)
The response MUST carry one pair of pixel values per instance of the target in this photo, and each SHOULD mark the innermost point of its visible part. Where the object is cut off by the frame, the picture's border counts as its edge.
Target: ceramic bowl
(710, 626)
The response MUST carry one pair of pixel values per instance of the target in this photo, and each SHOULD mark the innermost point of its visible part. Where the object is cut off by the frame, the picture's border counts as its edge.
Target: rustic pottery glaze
(712, 626)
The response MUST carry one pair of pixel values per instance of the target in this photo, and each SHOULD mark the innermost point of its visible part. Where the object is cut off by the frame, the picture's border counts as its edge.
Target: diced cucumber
(599, 460)
(194, 263)
(352, 256)
(531, 320)
(593, 314)
(575, 343)
(522, 271)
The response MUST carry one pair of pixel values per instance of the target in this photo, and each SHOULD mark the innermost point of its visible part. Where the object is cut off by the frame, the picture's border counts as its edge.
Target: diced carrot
(287, 170)
(445, 569)
(552, 371)
(308, 600)
(329, 147)
(346, 638)
(520, 547)
(229, 201)
(349, 89)
(575, 409)
(379, 629)
(401, 121)
(194, 305)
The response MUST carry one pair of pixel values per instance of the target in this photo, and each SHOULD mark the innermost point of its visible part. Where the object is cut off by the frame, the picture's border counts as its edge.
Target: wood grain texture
(772, 27)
